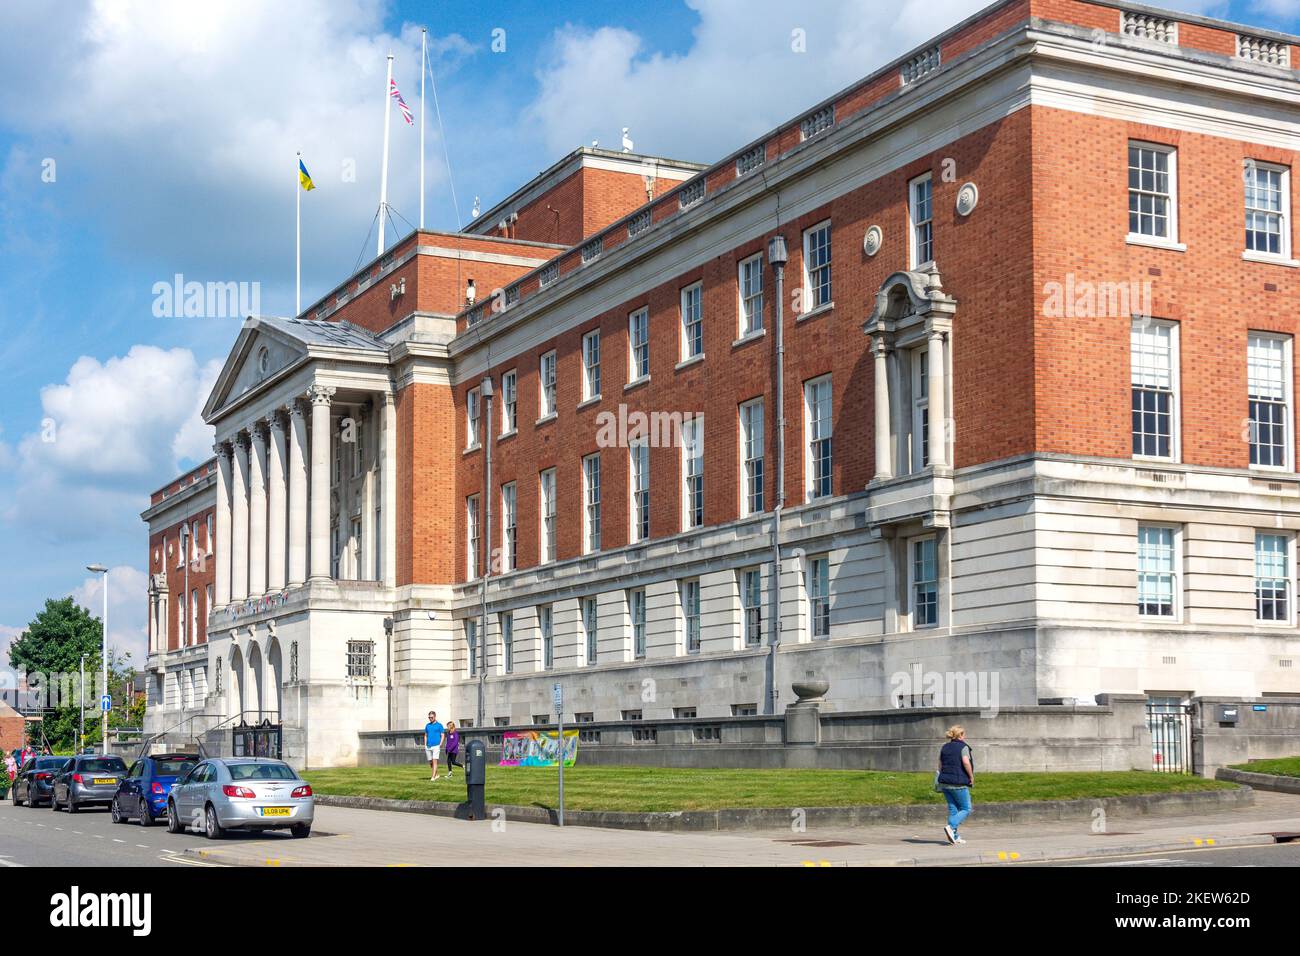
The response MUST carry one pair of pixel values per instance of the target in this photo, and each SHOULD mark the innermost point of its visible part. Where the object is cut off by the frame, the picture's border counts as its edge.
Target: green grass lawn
(1281, 767)
(656, 788)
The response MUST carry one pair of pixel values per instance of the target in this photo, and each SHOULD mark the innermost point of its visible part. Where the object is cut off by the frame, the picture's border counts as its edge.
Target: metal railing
(144, 747)
(1171, 738)
(263, 718)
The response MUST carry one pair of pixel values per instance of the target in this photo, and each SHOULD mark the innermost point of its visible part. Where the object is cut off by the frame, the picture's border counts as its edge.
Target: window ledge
(1155, 242)
(636, 383)
(820, 310)
(510, 434)
(1269, 259)
(469, 450)
(686, 363)
(588, 402)
(749, 337)
(548, 417)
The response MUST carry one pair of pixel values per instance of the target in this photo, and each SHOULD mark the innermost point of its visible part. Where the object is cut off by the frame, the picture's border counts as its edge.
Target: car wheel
(14, 795)
(146, 818)
(173, 820)
(301, 830)
(211, 825)
(54, 801)
(115, 813)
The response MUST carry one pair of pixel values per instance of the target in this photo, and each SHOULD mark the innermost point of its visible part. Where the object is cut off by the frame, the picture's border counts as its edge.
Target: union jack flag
(401, 103)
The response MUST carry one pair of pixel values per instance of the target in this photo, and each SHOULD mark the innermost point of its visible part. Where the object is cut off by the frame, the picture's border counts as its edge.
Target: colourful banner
(537, 748)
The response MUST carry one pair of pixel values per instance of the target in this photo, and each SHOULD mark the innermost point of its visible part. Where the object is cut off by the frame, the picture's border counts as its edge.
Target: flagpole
(297, 282)
(424, 35)
(383, 172)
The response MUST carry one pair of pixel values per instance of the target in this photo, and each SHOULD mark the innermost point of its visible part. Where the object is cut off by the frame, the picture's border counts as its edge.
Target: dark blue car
(142, 795)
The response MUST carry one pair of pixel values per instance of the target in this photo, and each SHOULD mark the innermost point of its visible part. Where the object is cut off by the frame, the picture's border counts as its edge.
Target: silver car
(242, 793)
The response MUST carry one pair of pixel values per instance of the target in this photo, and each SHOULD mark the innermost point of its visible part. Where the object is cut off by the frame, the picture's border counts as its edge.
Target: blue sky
(170, 129)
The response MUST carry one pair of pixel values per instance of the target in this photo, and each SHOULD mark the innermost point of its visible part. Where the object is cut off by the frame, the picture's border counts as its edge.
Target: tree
(56, 639)
(50, 652)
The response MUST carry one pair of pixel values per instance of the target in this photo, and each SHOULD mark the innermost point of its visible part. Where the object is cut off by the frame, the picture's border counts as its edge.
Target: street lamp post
(103, 650)
(81, 708)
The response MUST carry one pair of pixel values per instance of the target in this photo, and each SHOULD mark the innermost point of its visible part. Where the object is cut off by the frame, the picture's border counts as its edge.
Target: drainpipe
(777, 255)
(486, 398)
(388, 667)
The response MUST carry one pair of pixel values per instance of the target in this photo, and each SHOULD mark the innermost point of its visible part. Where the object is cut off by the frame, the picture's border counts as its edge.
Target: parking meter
(475, 779)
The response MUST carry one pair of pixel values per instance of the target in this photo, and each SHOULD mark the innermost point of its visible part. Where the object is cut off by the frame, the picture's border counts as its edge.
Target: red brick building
(12, 729)
(1036, 407)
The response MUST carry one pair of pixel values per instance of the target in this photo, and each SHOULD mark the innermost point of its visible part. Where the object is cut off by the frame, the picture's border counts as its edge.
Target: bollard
(476, 779)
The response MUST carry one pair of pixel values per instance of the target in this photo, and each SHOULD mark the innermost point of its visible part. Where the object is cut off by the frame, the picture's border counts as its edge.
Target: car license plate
(276, 811)
(104, 781)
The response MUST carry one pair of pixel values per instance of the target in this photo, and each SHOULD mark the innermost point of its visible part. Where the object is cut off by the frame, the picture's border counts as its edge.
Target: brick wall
(582, 204)
(985, 264)
(12, 725)
(435, 283)
(426, 502)
(201, 574)
(1080, 224)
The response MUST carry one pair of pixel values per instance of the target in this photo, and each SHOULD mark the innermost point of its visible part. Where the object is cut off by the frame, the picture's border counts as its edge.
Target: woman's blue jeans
(959, 806)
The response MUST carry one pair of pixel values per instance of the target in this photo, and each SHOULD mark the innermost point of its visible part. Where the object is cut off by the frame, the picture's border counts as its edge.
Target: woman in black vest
(956, 777)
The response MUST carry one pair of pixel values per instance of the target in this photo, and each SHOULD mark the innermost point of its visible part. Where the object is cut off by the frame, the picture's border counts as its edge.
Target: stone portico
(301, 630)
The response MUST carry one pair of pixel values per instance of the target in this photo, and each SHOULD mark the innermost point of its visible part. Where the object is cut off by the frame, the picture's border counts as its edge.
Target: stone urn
(810, 690)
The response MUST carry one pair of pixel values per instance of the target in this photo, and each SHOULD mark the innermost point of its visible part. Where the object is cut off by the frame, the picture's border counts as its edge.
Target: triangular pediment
(261, 353)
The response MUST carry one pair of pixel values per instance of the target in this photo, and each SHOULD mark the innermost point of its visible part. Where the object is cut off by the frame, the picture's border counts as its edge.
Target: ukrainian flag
(304, 177)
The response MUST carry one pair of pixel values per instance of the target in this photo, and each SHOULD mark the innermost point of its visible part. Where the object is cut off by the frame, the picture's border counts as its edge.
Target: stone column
(153, 616)
(239, 521)
(221, 548)
(257, 512)
(298, 505)
(884, 461)
(369, 494)
(388, 502)
(320, 480)
(938, 411)
(276, 529)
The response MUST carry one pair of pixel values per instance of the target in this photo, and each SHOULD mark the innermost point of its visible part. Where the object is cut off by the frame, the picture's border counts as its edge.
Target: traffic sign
(106, 703)
(558, 692)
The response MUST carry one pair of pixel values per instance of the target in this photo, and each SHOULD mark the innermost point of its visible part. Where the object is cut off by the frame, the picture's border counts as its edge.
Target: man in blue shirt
(433, 743)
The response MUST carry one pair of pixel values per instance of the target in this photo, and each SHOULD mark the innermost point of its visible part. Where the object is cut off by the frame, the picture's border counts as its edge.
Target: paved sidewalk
(348, 837)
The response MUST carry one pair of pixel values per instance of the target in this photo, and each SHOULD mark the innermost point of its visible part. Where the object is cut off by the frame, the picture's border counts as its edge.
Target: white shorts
(431, 753)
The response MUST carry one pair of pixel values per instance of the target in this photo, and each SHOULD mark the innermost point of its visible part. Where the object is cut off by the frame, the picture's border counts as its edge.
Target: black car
(85, 781)
(35, 781)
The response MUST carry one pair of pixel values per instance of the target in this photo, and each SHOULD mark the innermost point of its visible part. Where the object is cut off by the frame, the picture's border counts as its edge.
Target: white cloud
(732, 84)
(111, 432)
(182, 119)
(1285, 9)
(735, 84)
(127, 587)
(8, 634)
(193, 440)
